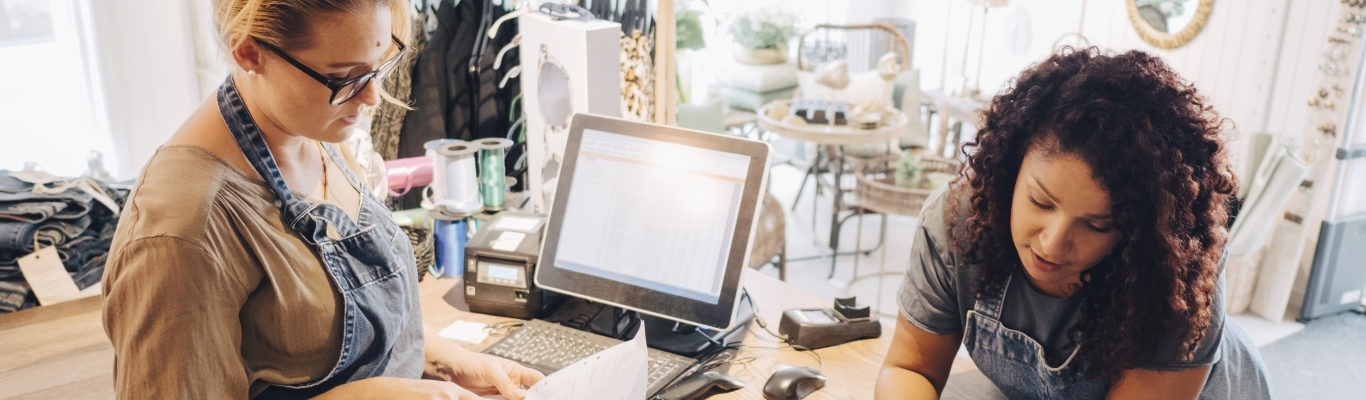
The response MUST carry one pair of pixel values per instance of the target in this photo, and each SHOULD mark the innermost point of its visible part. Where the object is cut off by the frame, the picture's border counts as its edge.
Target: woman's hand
(486, 374)
(476, 372)
(384, 387)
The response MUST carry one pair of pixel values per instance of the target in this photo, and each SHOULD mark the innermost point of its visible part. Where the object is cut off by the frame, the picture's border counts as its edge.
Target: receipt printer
(815, 328)
(500, 261)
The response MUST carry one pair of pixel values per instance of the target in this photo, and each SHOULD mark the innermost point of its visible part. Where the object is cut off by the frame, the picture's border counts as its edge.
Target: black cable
(783, 338)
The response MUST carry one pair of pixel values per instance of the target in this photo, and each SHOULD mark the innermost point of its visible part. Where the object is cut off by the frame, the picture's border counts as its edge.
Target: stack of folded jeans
(60, 214)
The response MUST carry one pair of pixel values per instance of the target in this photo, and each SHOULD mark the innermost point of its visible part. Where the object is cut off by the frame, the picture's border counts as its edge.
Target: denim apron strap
(1016, 363)
(370, 262)
(337, 159)
(253, 144)
(991, 305)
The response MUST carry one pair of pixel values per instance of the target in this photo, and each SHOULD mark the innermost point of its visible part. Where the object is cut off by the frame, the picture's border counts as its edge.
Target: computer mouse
(793, 383)
(700, 386)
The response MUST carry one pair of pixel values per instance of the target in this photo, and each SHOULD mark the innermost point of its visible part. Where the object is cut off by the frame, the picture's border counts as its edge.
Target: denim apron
(370, 261)
(1016, 364)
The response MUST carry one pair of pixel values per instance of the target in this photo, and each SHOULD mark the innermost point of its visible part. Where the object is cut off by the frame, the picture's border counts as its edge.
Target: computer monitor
(654, 219)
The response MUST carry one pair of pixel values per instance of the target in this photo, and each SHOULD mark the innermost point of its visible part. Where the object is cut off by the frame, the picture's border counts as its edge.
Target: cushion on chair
(741, 99)
(771, 237)
(759, 78)
(706, 117)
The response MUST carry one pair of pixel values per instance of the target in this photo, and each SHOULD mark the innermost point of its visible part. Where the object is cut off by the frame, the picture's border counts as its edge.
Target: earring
(251, 73)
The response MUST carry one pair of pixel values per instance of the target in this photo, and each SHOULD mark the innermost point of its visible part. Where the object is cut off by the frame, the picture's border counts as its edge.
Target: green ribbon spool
(492, 186)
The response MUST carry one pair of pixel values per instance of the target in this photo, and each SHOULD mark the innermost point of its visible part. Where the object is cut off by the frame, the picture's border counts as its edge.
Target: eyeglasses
(343, 90)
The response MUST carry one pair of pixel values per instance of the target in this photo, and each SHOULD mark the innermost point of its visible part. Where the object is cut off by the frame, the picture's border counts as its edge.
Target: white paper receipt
(508, 241)
(516, 224)
(465, 331)
(601, 376)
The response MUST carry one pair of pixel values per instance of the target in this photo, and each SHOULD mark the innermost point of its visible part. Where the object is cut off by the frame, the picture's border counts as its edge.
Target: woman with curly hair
(1079, 253)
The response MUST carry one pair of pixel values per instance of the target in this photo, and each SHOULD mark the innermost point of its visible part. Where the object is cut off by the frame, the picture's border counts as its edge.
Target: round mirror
(1169, 24)
(554, 93)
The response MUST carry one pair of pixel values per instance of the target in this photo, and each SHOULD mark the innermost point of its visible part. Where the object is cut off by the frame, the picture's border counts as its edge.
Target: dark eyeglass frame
(336, 86)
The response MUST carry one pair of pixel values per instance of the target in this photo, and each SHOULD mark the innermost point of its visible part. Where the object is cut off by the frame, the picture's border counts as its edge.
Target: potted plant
(761, 35)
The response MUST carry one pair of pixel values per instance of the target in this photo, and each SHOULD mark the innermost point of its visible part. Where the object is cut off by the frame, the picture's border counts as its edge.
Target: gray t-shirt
(938, 292)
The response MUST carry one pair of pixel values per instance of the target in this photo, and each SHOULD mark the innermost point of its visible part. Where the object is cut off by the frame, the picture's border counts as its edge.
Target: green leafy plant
(908, 170)
(689, 29)
(763, 28)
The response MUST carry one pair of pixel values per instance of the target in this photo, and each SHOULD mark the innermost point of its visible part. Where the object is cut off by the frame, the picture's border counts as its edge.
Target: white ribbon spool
(454, 183)
(432, 145)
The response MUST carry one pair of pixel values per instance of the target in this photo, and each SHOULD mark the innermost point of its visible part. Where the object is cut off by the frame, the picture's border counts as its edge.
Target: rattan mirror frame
(1170, 40)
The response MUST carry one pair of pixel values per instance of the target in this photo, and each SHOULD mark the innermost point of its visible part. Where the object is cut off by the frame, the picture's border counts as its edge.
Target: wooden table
(61, 352)
(850, 368)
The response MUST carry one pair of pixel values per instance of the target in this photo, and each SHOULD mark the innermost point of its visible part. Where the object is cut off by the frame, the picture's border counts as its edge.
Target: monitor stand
(667, 335)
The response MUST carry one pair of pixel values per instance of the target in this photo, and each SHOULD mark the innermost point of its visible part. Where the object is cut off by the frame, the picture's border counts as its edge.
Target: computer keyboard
(549, 347)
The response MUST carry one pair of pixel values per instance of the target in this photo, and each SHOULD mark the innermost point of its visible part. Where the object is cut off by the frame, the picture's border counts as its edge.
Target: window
(50, 104)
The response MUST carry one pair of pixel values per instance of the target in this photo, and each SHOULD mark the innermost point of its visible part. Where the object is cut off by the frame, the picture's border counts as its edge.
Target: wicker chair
(861, 45)
(770, 241)
(878, 192)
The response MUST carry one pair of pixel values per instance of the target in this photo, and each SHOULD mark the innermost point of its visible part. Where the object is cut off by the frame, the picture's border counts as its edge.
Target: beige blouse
(207, 294)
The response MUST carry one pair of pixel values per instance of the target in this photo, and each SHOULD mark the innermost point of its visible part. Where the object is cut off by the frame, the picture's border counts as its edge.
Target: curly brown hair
(1156, 146)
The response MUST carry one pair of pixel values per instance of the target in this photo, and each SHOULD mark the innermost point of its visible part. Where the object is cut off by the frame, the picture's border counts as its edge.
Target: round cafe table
(831, 139)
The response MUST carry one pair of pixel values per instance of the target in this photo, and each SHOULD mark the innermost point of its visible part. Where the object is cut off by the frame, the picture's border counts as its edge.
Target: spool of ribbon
(455, 186)
(491, 172)
(407, 173)
(450, 236)
(432, 145)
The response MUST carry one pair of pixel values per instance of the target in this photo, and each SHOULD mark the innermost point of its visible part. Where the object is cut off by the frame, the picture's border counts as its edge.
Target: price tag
(48, 278)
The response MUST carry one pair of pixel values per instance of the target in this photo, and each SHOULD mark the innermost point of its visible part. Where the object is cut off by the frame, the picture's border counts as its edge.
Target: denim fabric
(9, 264)
(1015, 362)
(76, 255)
(30, 211)
(371, 264)
(15, 295)
(81, 229)
(18, 236)
(19, 202)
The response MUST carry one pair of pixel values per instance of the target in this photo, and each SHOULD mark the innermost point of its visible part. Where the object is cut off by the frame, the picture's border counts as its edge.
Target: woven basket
(1240, 278)
(877, 189)
(423, 248)
(771, 239)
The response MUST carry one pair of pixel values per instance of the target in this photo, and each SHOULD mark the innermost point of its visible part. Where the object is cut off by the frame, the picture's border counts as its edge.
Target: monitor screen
(653, 218)
(652, 214)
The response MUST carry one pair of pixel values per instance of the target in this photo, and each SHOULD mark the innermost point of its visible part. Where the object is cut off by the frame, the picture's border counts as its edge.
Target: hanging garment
(455, 87)
(438, 79)
(387, 125)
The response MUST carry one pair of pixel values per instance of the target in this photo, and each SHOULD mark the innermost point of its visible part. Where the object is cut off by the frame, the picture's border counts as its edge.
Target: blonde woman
(250, 262)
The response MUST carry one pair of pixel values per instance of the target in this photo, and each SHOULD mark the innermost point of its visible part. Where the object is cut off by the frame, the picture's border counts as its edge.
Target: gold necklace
(323, 157)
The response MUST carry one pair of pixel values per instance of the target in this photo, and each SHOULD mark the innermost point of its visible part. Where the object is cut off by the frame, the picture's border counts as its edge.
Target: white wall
(1234, 61)
(147, 65)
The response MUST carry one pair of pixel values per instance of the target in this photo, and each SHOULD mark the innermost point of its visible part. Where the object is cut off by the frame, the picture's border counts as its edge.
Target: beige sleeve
(171, 312)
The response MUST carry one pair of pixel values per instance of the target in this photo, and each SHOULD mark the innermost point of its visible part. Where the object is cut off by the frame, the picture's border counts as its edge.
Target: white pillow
(759, 78)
